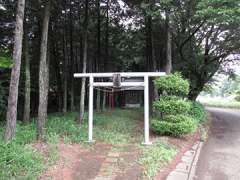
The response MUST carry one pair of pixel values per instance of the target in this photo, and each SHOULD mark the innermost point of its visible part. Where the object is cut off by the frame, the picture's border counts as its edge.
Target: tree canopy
(193, 37)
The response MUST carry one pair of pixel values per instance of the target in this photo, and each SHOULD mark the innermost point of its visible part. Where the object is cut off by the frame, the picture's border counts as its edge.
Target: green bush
(177, 114)
(198, 112)
(173, 84)
(237, 98)
(177, 125)
(172, 105)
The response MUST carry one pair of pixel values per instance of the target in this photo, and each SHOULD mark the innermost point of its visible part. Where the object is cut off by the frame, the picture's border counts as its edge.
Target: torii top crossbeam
(144, 84)
(122, 74)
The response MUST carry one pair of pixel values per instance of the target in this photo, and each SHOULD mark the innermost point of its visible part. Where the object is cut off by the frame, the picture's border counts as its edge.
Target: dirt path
(107, 162)
(77, 162)
(220, 157)
(98, 162)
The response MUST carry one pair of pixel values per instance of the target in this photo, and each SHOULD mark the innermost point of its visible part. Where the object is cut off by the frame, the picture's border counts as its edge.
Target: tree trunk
(107, 39)
(85, 56)
(43, 74)
(168, 67)
(27, 95)
(65, 75)
(106, 53)
(15, 74)
(72, 61)
(154, 69)
(150, 55)
(98, 64)
(104, 101)
(57, 71)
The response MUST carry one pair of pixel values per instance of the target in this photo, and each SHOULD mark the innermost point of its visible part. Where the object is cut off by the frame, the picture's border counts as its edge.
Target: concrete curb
(185, 170)
(192, 175)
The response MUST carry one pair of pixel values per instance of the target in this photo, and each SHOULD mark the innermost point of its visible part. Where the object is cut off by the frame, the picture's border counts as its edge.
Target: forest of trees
(54, 39)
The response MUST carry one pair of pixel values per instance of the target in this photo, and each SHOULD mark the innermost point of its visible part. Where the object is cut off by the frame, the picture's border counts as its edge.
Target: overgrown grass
(19, 161)
(119, 127)
(155, 156)
(114, 127)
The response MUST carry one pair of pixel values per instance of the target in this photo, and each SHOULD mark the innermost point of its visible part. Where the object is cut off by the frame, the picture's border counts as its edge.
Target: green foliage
(173, 84)
(154, 157)
(237, 98)
(172, 105)
(177, 125)
(198, 112)
(5, 60)
(177, 114)
(219, 11)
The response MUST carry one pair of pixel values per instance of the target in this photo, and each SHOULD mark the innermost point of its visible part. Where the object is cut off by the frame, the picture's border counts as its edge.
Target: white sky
(2, 7)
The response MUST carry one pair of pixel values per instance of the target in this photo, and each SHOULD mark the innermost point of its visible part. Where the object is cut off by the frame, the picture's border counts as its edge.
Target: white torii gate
(144, 84)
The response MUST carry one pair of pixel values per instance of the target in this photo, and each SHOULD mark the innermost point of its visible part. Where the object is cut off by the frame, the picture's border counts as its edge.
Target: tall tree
(27, 93)
(71, 56)
(106, 61)
(65, 73)
(13, 91)
(43, 73)
(98, 64)
(84, 68)
(168, 67)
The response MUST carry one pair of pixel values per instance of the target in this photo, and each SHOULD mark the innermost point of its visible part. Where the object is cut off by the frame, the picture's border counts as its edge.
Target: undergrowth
(18, 159)
(154, 157)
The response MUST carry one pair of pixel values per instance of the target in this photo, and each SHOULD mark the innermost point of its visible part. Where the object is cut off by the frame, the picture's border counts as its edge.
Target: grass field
(217, 102)
(118, 127)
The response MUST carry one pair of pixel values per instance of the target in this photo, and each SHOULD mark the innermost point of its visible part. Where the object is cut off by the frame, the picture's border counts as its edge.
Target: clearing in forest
(116, 154)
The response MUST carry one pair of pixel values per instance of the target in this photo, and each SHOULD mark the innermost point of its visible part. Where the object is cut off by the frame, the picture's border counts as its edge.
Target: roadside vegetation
(223, 103)
(176, 116)
(155, 157)
(222, 91)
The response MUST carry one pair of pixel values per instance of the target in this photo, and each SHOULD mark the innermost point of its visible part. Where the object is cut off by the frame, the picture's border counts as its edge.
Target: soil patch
(77, 162)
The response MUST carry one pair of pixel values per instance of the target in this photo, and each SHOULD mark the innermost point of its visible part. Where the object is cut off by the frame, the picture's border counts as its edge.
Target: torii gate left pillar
(144, 84)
